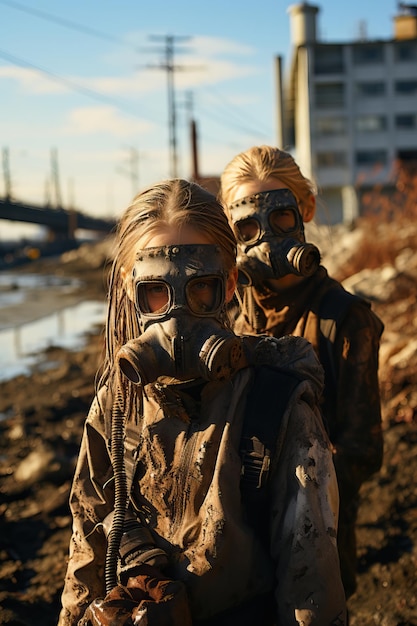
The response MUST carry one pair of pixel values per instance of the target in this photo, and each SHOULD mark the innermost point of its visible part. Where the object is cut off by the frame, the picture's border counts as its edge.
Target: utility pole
(47, 191)
(6, 174)
(72, 214)
(55, 177)
(169, 66)
(132, 170)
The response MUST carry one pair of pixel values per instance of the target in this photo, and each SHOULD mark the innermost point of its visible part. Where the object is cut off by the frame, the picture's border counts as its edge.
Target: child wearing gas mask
(187, 509)
(284, 290)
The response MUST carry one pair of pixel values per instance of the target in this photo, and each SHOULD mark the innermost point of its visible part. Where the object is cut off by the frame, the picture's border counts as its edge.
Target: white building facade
(348, 111)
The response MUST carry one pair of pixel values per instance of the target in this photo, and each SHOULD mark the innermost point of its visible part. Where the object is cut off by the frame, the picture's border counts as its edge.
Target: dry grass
(388, 223)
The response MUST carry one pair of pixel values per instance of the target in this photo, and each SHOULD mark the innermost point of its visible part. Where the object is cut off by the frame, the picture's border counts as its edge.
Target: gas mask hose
(120, 490)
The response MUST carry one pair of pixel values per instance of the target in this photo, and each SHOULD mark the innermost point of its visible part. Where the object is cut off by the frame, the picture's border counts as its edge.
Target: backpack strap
(131, 443)
(333, 309)
(265, 407)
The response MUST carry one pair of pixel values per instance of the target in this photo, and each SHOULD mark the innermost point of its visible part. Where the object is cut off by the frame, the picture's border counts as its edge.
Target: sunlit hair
(170, 203)
(260, 163)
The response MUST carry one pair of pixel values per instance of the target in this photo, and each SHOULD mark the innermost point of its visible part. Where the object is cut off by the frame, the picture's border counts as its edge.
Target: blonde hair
(170, 203)
(260, 163)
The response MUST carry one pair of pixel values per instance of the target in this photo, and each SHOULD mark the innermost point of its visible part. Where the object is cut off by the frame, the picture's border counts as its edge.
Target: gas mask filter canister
(271, 237)
(180, 302)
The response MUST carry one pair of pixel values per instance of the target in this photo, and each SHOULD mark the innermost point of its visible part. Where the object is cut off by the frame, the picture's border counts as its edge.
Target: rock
(40, 465)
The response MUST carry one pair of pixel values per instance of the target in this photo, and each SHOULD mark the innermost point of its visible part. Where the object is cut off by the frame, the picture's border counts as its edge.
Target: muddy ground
(40, 430)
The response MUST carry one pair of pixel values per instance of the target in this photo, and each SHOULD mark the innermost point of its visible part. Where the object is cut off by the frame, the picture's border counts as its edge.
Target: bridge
(62, 223)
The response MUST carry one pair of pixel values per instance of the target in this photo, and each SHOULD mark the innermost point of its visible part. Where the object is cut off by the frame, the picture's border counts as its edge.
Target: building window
(370, 89)
(330, 95)
(406, 121)
(370, 123)
(368, 53)
(407, 157)
(405, 87)
(331, 125)
(328, 60)
(331, 159)
(405, 51)
(371, 157)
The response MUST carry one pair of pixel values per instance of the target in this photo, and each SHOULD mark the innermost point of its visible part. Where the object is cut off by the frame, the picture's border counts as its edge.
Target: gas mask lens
(204, 295)
(153, 297)
(249, 230)
(281, 222)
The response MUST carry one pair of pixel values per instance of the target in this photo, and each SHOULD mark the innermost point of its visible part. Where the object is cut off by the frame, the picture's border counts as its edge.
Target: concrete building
(348, 111)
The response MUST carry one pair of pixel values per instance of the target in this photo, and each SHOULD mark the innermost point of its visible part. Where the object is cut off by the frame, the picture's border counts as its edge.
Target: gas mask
(271, 237)
(179, 295)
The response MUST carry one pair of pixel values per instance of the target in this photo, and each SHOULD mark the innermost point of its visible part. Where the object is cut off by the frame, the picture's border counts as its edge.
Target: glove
(115, 608)
(148, 599)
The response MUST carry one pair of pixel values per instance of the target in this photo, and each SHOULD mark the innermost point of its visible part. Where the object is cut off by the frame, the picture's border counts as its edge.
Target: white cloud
(200, 61)
(104, 119)
(32, 81)
(214, 46)
(203, 62)
(123, 85)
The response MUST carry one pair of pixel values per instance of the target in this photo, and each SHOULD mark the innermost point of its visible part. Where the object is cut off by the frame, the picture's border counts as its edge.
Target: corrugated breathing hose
(120, 490)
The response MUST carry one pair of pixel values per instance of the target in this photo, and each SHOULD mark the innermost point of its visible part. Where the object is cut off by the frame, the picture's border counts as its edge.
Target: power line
(207, 111)
(232, 114)
(72, 85)
(232, 111)
(221, 101)
(62, 22)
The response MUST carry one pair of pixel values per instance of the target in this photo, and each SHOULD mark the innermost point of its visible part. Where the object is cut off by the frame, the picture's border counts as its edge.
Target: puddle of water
(14, 287)
(33, 281)
(10, 298)
(20, 348)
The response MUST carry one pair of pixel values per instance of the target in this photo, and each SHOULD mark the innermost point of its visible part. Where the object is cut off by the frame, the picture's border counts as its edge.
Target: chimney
(405, 23)
(303, 23)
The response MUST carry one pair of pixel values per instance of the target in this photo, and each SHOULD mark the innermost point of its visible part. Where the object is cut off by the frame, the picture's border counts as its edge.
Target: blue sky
(83, 79)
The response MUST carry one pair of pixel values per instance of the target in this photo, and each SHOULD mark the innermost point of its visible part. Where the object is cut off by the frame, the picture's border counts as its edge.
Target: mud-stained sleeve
(91, 500)
(305, 505)
(358, 437)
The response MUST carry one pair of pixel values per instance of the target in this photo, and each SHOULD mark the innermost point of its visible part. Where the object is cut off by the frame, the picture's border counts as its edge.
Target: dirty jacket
(351, 401)
(187, 485)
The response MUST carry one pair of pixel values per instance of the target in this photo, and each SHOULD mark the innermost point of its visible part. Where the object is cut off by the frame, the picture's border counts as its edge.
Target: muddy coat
(351, 400)
(187, 484)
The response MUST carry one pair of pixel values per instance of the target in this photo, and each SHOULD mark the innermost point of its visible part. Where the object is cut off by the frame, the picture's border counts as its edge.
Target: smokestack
(303, 23)
(195, 175)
